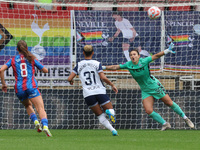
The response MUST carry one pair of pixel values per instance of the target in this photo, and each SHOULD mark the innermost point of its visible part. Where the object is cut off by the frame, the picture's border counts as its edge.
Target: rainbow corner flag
(180, 39)
(92, 37)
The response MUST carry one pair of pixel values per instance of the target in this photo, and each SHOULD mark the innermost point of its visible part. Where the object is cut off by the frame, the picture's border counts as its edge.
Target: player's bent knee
(149, 111)
(28, 106)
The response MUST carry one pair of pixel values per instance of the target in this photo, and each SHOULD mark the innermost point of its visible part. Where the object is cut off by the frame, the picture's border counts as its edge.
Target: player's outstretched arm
(4, 86)
(160, 54)
(71, 77)
(105, 79)
(45, 70)
(115, 35)
(112, 67)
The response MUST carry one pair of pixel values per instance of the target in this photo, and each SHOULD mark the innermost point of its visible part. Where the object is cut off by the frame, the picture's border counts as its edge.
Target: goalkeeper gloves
(169, 50)
(104, 67)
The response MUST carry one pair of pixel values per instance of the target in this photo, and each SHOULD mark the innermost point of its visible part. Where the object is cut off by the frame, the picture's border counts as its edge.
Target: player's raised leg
(29, 108)
(148, 106)
(111, 114)
(108, 108)
(125, 48)
(167, 100)
(102, 118)
(39, 105)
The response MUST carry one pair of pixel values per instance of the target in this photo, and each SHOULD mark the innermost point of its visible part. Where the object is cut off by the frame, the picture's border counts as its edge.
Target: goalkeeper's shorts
(158, 92)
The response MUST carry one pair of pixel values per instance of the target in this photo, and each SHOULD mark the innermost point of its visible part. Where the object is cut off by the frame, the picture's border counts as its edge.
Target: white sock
(126, 53)
(164, 123)
(112, 111)
(184, 117)
(105, 122)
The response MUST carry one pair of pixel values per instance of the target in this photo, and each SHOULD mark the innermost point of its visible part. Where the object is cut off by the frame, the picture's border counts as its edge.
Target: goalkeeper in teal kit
(151, 88)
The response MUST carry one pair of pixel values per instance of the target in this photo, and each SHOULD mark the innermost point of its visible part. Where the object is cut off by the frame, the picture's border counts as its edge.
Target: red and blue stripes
(15, 73)
(24, 72)
(33, 77)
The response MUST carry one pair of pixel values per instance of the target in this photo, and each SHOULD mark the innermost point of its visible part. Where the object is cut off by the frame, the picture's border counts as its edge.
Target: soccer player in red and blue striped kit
(26, 87)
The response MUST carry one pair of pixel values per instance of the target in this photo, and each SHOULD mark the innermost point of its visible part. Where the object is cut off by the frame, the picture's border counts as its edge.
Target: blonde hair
(88, 49)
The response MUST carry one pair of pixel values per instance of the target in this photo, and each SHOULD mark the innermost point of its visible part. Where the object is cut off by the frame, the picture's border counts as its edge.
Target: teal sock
(157, 117)
(177, 109)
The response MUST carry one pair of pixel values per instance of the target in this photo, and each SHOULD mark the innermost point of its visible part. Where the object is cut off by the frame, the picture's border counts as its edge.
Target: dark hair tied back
(23, 49)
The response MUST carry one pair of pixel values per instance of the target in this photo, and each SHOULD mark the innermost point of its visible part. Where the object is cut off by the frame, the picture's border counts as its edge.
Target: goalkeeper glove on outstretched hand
(104, 67)
(169, 50)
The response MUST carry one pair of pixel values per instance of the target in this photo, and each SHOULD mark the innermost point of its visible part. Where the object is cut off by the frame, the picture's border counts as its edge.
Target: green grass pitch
(100, 140)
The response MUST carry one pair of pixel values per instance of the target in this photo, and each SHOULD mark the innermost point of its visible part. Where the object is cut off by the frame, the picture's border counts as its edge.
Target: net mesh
(57, 38)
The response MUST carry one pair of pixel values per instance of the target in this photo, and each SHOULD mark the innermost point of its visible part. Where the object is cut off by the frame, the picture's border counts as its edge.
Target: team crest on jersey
(18, 60)
(92, 37)
(5, 37)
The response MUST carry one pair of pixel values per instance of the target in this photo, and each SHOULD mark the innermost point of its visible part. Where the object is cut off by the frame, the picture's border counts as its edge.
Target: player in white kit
(128, 31)
(91, 75)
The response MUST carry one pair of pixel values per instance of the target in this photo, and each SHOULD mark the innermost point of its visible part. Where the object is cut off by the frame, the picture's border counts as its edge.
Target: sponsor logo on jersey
(138, 70)
(94, 87)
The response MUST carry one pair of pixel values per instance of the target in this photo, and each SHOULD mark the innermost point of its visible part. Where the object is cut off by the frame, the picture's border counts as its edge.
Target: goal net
(57, 35)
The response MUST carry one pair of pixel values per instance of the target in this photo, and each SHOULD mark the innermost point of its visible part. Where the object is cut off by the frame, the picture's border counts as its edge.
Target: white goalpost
(56, 38)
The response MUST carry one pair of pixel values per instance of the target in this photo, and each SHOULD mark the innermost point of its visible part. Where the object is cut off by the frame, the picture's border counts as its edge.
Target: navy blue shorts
(127, 41)
(135, 43)
(29, 93)
(100, 99)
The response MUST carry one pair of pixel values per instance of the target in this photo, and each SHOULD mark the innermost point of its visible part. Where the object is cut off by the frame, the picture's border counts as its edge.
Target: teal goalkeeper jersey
(141, 74)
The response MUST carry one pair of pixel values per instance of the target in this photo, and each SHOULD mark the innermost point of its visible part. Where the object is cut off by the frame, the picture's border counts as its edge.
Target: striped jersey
(88, 71)
(24, 72)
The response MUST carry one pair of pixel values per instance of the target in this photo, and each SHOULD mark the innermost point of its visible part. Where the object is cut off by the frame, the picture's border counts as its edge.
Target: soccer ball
(154, 12)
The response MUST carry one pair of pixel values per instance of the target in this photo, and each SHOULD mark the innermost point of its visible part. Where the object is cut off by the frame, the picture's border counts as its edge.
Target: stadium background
(64, 104)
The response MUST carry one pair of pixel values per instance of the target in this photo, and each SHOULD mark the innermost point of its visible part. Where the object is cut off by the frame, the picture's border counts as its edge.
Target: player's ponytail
(23, 49)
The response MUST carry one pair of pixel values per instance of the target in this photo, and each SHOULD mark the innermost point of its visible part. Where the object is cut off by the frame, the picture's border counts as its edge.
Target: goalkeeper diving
(151, 88)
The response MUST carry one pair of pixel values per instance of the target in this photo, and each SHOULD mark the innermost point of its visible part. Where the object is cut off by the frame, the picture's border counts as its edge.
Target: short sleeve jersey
(24, 72)
(88, 71)
(125, 26)
(141, 73)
